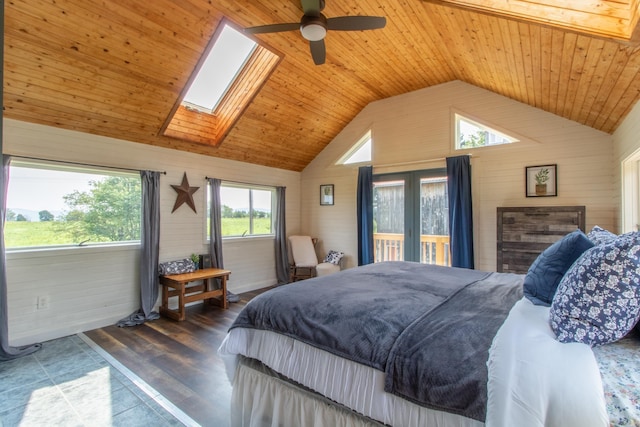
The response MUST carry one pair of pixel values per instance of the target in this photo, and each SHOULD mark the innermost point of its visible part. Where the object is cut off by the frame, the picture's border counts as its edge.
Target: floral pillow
(334, 257)
(598, 300)
(176, 267)
(600, 236)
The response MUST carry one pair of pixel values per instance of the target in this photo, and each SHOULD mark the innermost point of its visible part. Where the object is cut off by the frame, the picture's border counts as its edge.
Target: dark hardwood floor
(179, 359)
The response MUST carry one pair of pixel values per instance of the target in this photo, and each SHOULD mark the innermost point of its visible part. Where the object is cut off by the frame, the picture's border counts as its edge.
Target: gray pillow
(547, 270)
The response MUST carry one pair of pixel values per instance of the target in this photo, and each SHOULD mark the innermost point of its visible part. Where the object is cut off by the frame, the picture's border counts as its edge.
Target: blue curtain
(365, 215)
(460, 211)
(6, 351)
(282, 256)
(149, 256)
(215, 230)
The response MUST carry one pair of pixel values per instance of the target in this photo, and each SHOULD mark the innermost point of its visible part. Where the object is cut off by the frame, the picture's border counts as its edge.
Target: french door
(411, 217)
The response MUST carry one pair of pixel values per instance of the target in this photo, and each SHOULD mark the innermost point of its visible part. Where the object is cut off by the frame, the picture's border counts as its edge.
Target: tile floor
(72, 382)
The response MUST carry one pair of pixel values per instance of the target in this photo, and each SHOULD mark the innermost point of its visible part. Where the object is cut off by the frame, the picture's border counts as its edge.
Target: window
(471, 134)
(229, 74)
(57, 205)
(246, 210)
(359, 153)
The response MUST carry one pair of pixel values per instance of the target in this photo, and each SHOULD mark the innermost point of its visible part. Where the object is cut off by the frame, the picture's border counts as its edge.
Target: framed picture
(542, 181)
(326, 194)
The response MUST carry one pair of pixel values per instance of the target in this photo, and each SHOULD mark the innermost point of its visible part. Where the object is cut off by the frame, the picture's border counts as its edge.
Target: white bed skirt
(351, 384)
(261, 400)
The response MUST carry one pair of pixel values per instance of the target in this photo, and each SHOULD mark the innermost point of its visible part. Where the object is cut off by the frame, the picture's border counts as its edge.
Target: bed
(408, 344)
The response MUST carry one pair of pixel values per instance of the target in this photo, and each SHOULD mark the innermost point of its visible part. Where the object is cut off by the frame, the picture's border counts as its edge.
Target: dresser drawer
(524, 232)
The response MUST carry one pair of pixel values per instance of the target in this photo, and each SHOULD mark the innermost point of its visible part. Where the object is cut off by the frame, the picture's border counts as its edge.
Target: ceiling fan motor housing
(313, 28)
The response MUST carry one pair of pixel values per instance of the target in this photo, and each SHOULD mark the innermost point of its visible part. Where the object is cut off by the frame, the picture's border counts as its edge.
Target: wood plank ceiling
(117, 67)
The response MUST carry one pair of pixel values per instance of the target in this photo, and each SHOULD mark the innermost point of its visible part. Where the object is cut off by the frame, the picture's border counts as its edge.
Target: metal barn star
(185, 194)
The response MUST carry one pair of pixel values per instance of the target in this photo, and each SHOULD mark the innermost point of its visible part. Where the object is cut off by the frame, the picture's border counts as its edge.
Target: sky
(40, 189)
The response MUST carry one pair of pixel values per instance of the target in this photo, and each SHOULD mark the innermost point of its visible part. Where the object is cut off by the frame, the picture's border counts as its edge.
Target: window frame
(487, 127)
(250, 187)
(366, 137)
(55, 166)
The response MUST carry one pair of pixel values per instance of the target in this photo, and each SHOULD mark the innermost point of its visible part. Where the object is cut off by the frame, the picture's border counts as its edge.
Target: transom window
(472, 134)
(360, 152)
(52, 205)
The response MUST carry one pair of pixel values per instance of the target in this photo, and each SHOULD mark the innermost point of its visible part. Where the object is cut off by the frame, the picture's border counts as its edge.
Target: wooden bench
(176, 285)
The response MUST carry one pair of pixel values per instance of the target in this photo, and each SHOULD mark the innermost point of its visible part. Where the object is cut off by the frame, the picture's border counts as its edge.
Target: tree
(11, 215)
(45, 215)
(227, 212)
(476, 139)
(21, 217)
(111, 209)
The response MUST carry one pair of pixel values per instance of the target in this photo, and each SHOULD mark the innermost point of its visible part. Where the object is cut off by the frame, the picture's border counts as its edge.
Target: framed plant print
(326, 194)
(542, 181)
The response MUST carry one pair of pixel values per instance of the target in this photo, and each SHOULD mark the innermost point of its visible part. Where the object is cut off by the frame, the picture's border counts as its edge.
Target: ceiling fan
(314, 26)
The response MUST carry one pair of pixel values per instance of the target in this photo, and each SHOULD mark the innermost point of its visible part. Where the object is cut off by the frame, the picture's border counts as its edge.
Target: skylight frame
(210, 128)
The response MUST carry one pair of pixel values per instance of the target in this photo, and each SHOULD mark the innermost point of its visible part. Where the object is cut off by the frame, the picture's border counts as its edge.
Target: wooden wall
(414, 131)
(92, 287)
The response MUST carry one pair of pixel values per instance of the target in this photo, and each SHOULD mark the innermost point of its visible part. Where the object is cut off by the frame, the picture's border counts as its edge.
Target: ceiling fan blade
(311, 7)
(318, 52)
(273, 28)
(356, 23)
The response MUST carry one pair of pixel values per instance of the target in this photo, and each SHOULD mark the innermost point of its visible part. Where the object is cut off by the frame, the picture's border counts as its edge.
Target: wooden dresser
(524, 232)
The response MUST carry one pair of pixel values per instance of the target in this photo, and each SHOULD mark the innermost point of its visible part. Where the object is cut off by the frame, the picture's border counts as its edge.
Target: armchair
(305, 261)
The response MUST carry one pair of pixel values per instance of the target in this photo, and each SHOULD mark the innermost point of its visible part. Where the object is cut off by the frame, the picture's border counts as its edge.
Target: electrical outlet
(43, 302)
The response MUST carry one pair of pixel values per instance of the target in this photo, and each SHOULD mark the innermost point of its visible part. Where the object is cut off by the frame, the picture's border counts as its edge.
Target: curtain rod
(414, 162)
(206, 178)
(80, 164)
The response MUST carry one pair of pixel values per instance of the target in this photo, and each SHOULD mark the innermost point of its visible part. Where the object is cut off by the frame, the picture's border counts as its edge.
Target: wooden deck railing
(433, 249)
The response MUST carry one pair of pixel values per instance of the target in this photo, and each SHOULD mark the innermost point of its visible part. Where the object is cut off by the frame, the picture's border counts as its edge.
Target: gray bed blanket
(378, 315)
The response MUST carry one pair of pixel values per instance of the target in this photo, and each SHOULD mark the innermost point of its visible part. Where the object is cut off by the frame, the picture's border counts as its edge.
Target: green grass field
(237, 226)
(24, 233)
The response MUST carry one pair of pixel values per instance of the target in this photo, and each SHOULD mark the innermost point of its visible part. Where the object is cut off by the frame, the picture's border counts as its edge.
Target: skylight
(232, 70)
(223, 63)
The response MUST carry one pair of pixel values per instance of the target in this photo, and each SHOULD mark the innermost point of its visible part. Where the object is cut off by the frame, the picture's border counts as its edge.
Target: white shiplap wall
(91, 287)
(627, 145)
(416, 130)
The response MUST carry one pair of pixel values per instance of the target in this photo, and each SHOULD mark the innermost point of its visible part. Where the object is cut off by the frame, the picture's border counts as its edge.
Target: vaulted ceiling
(118, 67)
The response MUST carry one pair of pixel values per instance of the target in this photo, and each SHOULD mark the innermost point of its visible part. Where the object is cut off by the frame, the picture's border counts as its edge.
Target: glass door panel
(434, 221)
(388, 220)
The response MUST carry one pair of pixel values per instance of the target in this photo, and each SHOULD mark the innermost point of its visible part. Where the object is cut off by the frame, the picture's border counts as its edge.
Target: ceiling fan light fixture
(313, 28)
(313, 32)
